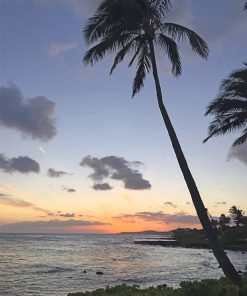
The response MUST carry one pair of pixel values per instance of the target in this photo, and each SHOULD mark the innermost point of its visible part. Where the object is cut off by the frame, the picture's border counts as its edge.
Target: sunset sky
(77, 154)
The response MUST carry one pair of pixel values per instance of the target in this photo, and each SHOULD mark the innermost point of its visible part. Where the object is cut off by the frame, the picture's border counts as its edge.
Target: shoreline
(176, 244)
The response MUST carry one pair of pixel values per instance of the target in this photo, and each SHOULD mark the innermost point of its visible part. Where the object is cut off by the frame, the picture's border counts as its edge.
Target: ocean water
(49, 265)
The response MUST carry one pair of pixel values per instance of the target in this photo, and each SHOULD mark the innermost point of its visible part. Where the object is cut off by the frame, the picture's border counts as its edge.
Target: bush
(221, 287)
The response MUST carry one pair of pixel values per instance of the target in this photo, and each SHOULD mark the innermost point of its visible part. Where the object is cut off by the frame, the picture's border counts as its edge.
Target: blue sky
(41, 54)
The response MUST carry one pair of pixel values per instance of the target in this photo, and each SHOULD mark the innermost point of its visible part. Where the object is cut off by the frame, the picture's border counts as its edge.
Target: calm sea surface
(49, 265)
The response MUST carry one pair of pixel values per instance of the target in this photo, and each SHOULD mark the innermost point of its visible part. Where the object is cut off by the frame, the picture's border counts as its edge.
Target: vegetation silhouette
(230, 107)
(127, 26)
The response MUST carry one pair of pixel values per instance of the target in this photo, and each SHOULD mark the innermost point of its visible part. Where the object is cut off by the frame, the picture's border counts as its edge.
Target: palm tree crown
(230, 107)
(127, 26)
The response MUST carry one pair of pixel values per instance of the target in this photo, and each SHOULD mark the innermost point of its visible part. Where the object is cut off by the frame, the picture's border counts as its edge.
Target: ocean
(56, 264)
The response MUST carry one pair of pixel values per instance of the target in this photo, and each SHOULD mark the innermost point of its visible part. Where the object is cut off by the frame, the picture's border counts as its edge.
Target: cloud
(57, 48)
(49, 226)
(32, 117)
(18, 203)
(115, 168)
(220, 203)
(70, 190)
(239, 152)
(80, 8)
(67, 215)
(102, 186)
(55, 174)
(171, 204)
(178, 218)
(21, 164)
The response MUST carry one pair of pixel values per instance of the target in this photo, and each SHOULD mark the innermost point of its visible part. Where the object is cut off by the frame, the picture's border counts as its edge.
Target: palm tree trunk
(217, 249)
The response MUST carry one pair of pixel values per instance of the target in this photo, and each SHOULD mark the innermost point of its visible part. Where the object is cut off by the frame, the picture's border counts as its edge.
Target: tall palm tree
(230, 107)
(136, 27)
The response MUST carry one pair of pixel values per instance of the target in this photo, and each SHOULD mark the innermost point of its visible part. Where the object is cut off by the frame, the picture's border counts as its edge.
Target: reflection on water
(58, 264)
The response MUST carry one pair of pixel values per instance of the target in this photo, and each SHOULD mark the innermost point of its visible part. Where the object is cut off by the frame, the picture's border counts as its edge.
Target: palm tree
(224, 222)
(230, 107)
(136, 27)
(237, 216)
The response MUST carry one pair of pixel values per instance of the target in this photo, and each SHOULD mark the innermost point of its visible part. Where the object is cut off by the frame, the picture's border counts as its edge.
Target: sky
(77, 154)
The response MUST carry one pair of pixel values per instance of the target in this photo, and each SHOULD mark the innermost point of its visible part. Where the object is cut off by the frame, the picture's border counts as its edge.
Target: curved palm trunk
(217, 249)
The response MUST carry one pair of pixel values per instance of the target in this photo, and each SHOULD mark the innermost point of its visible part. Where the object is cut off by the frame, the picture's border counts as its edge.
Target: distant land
(149, 232)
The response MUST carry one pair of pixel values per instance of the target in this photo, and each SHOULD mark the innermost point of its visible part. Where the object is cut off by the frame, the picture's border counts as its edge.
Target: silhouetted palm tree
(237, 216)
(137, 27)
(230, 107)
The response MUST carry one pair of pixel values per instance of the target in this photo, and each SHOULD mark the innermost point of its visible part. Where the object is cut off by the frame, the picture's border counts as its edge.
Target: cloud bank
(115, 168)
(161, 217)
(33, 117)
(50, 226)
(21, 164)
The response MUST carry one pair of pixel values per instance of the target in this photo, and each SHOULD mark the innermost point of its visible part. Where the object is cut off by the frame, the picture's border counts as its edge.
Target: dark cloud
(48, 226)
(21, 164)
(239, 152)
(115, 168)
(32, 117)
(102, 186)
(56, 174)
(178, 218)
(67, 215)
(171, 204)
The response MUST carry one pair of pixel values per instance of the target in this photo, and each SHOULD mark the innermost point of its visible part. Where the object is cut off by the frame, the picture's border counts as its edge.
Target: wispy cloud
(13, 202)
(57, 48)
(219, 203)
(56, 174)
(170, 204)
(69, 190)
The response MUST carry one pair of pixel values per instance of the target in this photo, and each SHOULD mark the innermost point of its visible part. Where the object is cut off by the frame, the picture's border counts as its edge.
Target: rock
(99, 272)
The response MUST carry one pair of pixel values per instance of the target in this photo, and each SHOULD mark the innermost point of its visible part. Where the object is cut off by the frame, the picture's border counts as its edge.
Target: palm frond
(122, 53)
(241, 139)
(179, 32)
(171, 49)
(221, 105)
(225, 124)
(107, 45)
(144, 65)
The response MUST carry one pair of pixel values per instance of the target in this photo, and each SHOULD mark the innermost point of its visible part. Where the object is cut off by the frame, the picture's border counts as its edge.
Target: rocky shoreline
(176, 244)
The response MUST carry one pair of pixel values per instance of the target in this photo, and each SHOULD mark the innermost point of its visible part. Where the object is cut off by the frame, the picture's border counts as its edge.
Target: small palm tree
(230, 107)
(237, 216)
(136, 27)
